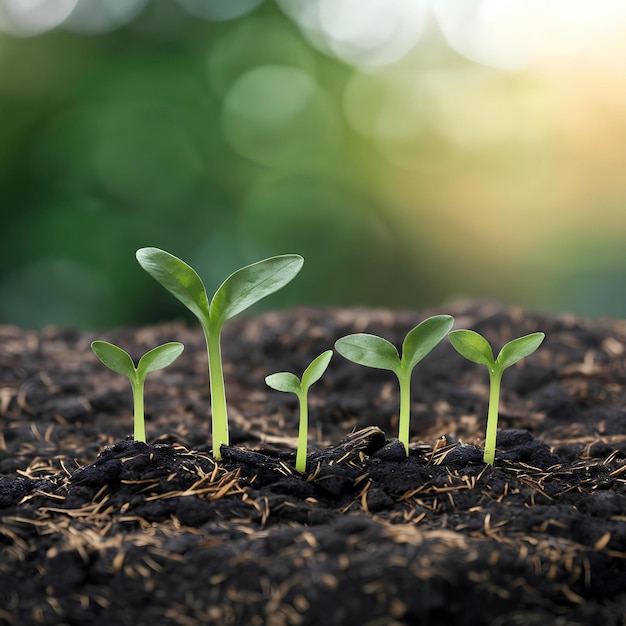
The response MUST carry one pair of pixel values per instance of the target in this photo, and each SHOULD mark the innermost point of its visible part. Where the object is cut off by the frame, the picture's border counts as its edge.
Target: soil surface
(97, 529)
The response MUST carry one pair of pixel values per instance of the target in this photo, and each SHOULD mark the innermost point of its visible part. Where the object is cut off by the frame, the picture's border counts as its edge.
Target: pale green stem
(140, 428)
(405, 410)
(219, 415)
(495, 378)
(303, 432)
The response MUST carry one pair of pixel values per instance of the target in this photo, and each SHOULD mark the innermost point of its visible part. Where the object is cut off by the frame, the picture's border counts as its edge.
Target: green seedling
(286, 381)
(239, 291)
(120, 361)
(476, 348)
(377, 352)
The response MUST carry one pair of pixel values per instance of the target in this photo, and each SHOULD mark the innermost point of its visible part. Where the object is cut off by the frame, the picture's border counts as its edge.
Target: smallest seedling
(476, 348)
(286, 381)
(120, 361)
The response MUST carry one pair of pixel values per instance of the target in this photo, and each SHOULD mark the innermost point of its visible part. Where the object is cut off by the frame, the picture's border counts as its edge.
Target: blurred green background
(413, 151)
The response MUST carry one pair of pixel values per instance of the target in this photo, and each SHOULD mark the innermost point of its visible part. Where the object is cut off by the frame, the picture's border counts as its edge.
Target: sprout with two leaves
(377, 352)
(288, 382)
(239, 291)
(476, 348)
(121, 362)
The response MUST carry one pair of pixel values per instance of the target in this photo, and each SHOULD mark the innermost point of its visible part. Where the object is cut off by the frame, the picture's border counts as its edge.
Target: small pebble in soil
(519, 445)
(464, 454)
(391, 451)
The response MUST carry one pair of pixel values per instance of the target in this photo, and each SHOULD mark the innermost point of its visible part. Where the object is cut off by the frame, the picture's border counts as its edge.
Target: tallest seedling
(239, 291)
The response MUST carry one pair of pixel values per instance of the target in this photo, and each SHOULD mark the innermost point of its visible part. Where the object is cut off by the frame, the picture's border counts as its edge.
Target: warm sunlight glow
(519, 33)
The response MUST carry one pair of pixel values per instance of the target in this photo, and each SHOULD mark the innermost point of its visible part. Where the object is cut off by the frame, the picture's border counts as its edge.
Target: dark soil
(100, 530)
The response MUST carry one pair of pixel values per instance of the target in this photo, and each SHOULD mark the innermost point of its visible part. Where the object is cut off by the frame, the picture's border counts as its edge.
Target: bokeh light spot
(372, 32)
(32, 17)
(274, 114)
(361, 32)
(386, 105)
(275, 43)
(486, 34)
(272, 95)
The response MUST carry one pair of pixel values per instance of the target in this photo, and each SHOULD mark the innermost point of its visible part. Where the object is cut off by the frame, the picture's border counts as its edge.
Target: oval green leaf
(114, 358)
(472, 346)
(517, 349)
(250, 284)
(369, 350)
(316, 369)
(423, 338)
(158, 358)
(178, 278)
(284, 381)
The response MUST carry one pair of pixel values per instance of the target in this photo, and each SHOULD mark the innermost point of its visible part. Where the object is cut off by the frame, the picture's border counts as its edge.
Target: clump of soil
(100, 530)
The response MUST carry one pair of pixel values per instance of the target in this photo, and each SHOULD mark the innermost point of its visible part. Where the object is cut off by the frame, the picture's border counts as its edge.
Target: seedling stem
(120, 361)
(495, 380)
(219, 421)
(286, 381)
(476, 348)
(405, 409)
(303, 431)
(374, 351)
(139, 426)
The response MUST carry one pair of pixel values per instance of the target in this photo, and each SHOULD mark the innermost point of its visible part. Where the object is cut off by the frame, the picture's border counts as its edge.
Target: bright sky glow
(507, 34)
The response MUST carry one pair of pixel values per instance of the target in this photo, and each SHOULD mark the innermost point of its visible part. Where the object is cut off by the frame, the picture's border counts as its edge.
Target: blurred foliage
(224, 142)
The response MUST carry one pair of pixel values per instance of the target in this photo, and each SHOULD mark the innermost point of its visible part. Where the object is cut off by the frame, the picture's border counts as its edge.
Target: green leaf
(519, 348)
(423, 338)
(178, 278)
(316, 369)
(284, 381)
(114, 358)
(369, 350)
(158, 358)
(472, 346)
(252, 283)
